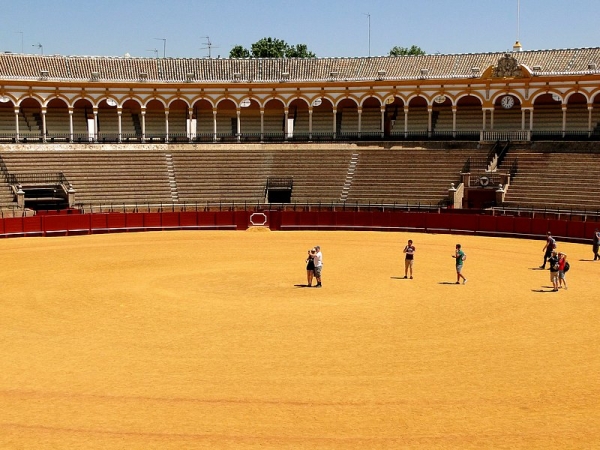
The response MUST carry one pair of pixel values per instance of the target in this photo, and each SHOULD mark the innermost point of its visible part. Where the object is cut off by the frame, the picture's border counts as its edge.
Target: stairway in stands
(349, 177)
(172, 180)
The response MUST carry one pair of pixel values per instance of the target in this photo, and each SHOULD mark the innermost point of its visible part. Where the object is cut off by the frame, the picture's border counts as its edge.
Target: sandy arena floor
(181, 340)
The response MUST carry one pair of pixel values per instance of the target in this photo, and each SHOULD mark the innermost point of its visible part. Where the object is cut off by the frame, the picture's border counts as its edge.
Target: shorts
(459, 268)
(554, 277)
(561, 274)
(318, 271)
(408, 263)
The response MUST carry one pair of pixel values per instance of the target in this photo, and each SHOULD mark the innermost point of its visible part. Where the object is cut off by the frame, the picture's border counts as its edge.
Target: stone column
(143, 111)
(70, 124)
(214, 124)
(95, 109)
(166, 125)
(120, 124)
(20, 197)
(262, 124)
(334, 122)
(17, 111)
(44, 124)
(71, 196)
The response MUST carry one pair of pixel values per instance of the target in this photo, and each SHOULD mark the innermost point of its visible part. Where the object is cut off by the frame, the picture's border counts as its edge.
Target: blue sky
(329, 28)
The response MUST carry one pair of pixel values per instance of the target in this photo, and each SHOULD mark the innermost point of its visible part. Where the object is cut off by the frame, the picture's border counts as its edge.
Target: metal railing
(37, 178)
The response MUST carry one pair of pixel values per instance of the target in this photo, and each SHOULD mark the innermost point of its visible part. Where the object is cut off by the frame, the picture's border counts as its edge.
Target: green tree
(405, 51)
(239, 52)
(299, 51)
(271, 48)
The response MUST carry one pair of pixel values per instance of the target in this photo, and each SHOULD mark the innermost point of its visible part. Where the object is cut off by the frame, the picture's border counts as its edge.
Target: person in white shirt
(318, 260)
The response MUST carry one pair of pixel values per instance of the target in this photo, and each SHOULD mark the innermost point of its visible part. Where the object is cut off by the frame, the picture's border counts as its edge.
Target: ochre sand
(200, 339)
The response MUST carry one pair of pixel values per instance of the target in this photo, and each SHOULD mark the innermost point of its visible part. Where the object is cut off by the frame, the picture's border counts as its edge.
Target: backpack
(567, 266)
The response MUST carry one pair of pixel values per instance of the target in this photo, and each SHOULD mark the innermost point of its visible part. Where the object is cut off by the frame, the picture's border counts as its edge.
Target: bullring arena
(156, 215)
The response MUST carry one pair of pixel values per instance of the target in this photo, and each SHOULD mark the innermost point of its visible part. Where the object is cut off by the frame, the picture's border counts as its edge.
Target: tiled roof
(173, 70)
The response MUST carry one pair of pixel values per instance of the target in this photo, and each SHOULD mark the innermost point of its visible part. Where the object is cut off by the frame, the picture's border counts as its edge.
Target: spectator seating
(554, 180)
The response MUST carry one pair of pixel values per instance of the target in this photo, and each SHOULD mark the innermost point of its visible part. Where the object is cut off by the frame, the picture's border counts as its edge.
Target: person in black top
(310, 267)
(409, 250)
(596, 244)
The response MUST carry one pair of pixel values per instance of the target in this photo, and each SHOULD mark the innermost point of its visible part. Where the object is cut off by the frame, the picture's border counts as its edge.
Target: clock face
(507, 102)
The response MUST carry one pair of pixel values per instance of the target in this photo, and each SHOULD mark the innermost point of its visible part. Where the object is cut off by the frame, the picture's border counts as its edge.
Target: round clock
(507, 102)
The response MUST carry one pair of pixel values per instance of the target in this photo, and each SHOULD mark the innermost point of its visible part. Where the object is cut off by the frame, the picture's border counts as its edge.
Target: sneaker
(318, 285)
(410, 277)
(406, 276)
(465, 281)
(457, 282)
(542, 267)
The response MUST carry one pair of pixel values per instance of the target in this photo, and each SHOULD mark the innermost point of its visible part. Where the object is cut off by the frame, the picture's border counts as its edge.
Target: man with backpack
(548, 248)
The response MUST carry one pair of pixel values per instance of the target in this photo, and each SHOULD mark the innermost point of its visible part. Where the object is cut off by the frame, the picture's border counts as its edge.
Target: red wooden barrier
(363, 220)
(558, 227)
(576, 230)
(149, 221)
(345, 219)
(98, 223)
(436, 223)
(115, 221)
(242, 219)
(13, 226)
(135, 221)
(79, 223)
(64, 224)
(225, 218)
(206, 219)
(307, 219)
(487, 224)
(32, 226)
(287, 218)
(505, 224)
(590, 228)
(188, 219)
(55, 225)
(326, 219)
(522, 225)
(540, 226)
(381, 219)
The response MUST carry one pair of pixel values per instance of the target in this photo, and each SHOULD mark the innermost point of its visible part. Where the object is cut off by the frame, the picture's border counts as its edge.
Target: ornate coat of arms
(507, 67)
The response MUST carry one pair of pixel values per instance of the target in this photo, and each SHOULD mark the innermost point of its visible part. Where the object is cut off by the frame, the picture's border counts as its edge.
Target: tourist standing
(409, 259)
(318, 260)
(563, 267)
(310, 266)
(460, 257)
(553, 261)
(596, 244)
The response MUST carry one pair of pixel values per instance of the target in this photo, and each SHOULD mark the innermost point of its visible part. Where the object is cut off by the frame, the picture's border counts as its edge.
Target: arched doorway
(274, 120)
(178, 121)
(30, 120)
(370, 123)
(298, 120)
(250, 125)
(108, 121)
(8, 130)
(131, 121)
